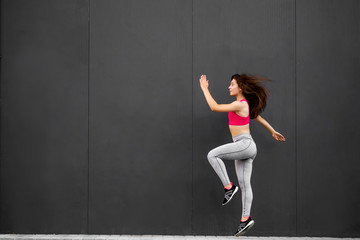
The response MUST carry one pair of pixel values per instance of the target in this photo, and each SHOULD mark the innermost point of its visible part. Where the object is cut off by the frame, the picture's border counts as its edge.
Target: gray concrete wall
(104, 129)
(44, 116)
(328, 131)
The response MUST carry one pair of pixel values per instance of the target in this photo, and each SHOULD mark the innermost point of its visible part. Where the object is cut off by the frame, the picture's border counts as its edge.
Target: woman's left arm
(214, 106)
(266, 125)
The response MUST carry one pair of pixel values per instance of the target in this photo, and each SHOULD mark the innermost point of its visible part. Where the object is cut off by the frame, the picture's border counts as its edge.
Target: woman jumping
(250, 101)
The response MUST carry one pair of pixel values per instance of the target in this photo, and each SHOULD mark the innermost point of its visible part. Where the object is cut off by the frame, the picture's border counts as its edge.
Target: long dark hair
(255, 93)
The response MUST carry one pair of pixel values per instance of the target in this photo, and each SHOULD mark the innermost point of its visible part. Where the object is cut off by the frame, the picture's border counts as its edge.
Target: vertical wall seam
(88, 160)
(296, 157)
(192, 117)
(1, 109)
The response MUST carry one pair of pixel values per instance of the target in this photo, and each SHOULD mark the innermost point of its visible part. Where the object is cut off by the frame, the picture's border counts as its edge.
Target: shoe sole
(236, 189)
(251, 223)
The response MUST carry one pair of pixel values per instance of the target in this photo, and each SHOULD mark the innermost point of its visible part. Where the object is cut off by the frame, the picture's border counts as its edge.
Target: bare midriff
(236, 130)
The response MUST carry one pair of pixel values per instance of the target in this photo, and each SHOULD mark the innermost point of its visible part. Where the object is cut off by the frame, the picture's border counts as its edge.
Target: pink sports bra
(237, 120)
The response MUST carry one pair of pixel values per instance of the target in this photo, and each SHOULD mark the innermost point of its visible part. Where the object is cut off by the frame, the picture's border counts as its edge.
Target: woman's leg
(230, 151)
(243, 171)
(219, 166)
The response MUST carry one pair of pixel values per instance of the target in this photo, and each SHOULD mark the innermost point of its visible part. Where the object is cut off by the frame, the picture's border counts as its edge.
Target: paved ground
(148, 237)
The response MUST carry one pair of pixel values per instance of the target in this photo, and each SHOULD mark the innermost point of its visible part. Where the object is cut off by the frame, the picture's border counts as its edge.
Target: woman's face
(234, 88)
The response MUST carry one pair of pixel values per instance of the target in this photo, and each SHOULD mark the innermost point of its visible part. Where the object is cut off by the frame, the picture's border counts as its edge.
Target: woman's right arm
(268, 127)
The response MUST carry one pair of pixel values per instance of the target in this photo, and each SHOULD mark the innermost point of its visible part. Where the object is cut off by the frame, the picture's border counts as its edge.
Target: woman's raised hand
(278, 137)
(204, 84)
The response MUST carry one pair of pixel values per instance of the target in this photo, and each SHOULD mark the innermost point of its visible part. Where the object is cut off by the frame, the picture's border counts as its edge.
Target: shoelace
(228, 194)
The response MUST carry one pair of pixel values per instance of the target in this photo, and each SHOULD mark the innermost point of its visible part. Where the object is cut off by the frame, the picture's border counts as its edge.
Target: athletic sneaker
(244, 226)
(229, 193)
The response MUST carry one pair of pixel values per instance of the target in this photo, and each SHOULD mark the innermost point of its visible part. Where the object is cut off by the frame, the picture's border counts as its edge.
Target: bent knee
(211, 156)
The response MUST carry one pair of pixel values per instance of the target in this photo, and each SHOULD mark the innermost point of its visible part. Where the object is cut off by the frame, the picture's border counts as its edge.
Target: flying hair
(254, 91)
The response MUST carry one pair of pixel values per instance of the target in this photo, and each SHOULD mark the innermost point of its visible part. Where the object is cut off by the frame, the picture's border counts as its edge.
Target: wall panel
(140, 117)
(44, 116)
(328, 53)
(255, 37)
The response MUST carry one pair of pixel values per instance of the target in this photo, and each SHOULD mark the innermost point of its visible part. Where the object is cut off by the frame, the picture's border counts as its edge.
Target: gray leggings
(243, 152)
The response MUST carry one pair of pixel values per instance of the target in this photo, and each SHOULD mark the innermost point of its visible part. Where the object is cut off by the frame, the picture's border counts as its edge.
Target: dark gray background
(104, 129)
